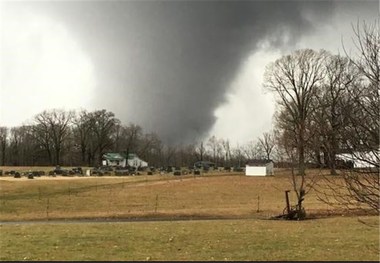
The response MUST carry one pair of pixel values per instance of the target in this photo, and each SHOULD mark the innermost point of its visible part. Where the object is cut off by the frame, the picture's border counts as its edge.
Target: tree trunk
(301, 159)
(57, 156)
(333, 163)
(300, 210)
(83, 151)
(3, 154)
(333, 155)
(49, 156)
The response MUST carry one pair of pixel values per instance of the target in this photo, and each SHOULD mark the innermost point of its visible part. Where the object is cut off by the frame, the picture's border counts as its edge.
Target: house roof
(118, 156)
(131, 155)
(258, 162)
(113, 156)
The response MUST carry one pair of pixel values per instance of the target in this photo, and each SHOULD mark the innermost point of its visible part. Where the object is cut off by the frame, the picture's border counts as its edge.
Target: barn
(260, 167)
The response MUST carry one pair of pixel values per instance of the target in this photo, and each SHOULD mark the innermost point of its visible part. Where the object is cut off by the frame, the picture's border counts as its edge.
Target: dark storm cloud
(167, 65)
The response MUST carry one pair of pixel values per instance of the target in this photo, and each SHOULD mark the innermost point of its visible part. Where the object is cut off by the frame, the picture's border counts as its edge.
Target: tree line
(80, 138)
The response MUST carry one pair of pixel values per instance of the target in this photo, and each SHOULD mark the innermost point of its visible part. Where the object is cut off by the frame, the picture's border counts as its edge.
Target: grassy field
(325, 239)
(247, 202)
(146, 196)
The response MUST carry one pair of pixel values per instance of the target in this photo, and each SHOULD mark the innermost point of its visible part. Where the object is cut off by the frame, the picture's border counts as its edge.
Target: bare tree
(132, 134)
(43, 139)
(227, 151)
(367, 57)
(295, 79)
(148, 147)
(3, 143)
(333, 105)
(81, 131)
(251, 150)
(359, 187)
(363, 133)
(118, 137)
(200, 151)
(213, 144)
(267, 143)
(102, 125)
(169, 155)
(51, 128)
(23, 149)
(238, 155)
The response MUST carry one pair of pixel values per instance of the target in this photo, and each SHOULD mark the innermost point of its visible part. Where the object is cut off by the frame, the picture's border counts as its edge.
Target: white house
(259, 168)
(114, 159)
(135, 161)
(120, 159)
(360, 159)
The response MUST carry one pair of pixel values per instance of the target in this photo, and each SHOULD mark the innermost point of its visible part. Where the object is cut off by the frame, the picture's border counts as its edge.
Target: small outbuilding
(260, 167)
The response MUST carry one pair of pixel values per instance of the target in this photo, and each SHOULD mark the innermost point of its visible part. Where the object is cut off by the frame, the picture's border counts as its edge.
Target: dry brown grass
(167, 196)
(213, 195)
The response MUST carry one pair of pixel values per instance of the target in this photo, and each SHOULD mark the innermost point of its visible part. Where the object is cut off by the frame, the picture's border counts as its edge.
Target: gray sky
(183, 69)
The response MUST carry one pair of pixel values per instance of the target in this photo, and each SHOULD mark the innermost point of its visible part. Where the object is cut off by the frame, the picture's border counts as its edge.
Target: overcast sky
(183, 69)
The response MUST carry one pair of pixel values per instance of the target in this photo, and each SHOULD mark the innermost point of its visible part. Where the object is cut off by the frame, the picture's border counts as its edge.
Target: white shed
(259, 168)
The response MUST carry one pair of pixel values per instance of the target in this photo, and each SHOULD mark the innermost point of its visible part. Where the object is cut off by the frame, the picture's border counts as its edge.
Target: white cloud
(43, 68)
(248, 110)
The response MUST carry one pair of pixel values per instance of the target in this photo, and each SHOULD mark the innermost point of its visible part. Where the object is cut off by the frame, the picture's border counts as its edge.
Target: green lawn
(322, 239)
